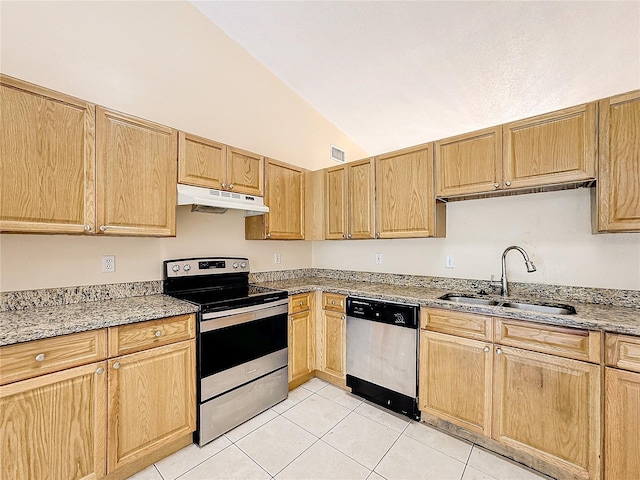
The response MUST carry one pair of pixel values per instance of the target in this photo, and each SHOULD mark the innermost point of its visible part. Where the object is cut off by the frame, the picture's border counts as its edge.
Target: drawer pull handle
(333, 302)
(99, 371)
(116, 365)
(486, 349)
(301, 303)
(499, 351)
(158, 333)
(251, 371)
(40, 357)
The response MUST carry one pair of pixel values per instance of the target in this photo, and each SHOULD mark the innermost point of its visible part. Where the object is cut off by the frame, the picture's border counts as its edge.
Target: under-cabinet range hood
(218, 201)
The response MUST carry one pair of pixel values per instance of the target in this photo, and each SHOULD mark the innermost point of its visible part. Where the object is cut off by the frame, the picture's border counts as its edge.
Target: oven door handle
(207, 325)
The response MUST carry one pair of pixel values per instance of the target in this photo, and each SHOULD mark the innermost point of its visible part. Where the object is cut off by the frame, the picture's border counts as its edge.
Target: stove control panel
(188, 267)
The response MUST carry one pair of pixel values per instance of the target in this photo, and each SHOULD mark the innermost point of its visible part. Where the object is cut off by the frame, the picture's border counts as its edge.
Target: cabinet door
(557, 147)
(361, 199)
(336, 198)
(47, 146)
(334, 344)
(469, 163)
(201, 162)
(549, 407)
(136, 176)
(455, 380)
(301, 345)
(622, 425)
(405, 203)
(151, 398)
(245, 172)
(54, 426)
(618, 190)
(285, 198)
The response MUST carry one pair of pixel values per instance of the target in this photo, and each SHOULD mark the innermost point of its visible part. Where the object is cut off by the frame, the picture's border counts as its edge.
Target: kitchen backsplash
(50, 297)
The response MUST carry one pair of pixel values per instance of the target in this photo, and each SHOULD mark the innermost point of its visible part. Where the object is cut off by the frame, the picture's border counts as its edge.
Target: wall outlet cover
(108, 263)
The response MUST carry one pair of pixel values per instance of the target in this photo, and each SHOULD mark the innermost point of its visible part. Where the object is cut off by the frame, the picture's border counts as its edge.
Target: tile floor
(324, 432)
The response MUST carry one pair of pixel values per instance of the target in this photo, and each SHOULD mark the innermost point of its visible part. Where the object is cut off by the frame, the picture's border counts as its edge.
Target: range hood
(218, 201)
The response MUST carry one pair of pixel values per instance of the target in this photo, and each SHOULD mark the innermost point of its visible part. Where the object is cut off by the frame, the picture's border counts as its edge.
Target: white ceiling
(395, 74)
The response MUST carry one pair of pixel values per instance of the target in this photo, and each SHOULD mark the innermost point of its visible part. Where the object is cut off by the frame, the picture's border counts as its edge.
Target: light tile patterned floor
(323, 432)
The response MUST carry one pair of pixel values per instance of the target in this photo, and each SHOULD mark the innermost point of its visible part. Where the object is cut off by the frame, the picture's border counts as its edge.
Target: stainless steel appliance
(242, 338)
(382, 353)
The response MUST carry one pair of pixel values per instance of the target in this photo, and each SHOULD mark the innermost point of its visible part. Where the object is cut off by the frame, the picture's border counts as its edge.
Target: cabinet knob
(496, 185)
(507, 183)
(103, 228)
(40, 357)
(301, 303)
(99, 371)
(333, 302)
(87, 228)
(377, 234)
(349, 236)
(499, 351)
(231, 186)
(486, 349)
(158, 333)
(291, 318)
(224, 185)
(342, 317)
(268, 235)
(116, 365)
(344, 235)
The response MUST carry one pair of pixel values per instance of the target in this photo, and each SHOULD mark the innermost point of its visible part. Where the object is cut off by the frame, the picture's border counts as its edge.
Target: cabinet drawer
(564, 342)
(334, 301)
(460, 324)
(300, 302)
(154, 333)
(623, 351)
(31, 359)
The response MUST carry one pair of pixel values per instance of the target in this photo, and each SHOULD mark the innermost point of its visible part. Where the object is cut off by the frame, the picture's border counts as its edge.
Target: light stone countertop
(44, 322)
(588, 316)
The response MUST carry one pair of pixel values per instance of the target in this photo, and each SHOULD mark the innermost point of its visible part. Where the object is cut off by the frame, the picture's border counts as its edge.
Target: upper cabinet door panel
(619, 165)
(245, 172)
(553, 148)
(136, 175)
(405, 201)
(469, 163)
(47, 170)
(285, 198)
(361, 199)
(336, 203)
(201, 162)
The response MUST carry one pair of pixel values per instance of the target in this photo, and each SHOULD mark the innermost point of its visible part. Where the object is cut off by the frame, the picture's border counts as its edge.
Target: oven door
(238, 346)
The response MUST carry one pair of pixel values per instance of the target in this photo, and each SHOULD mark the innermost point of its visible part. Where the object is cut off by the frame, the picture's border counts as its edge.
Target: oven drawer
(300, 302)
(31, 359)
(154, 333)
(334, 302)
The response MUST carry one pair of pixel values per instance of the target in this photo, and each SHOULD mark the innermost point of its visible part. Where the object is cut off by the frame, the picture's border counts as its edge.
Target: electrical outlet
(450, 261)
(276, 258)
(108, 263)
(378, 259)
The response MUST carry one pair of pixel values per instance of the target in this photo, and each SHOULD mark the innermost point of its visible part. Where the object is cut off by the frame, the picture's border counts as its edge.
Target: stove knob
(176, 268)
(235, 265)
(243, 265)
(186, 267)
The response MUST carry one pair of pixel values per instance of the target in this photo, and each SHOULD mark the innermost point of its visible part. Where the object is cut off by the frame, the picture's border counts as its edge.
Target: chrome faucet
(530, 267)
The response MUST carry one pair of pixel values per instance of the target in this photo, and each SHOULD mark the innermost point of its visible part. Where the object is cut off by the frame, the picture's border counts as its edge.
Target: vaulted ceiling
(394, 74)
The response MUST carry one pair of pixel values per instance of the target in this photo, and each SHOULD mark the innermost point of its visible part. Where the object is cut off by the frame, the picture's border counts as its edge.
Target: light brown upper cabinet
(47, 170)
(618, 191)
(136, 175)
(350, 194)
(245, 171)
(550, 149)
(405, 201)
(469, 163)
(284, 195)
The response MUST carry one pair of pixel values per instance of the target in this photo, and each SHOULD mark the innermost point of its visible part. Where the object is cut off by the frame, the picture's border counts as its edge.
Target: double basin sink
(550, 308)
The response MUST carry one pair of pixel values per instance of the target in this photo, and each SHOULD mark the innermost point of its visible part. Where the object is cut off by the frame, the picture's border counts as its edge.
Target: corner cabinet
(618, 190)
(47, 146)
(284, 195)
(405, 200)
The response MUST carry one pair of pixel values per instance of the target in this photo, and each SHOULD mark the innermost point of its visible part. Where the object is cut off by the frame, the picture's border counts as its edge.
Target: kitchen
(42, 43)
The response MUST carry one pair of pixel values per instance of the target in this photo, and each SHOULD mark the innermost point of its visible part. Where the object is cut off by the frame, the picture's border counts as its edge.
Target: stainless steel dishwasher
(382, 353)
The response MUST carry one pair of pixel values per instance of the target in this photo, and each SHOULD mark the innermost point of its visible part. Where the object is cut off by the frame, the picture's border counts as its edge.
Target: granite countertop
(588, 316)
(35, 323)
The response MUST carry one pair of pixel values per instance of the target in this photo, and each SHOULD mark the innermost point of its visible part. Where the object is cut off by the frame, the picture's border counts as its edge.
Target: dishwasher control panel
(400, 314)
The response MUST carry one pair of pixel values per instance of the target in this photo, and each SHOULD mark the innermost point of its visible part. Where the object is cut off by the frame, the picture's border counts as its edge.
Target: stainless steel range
(242, 337)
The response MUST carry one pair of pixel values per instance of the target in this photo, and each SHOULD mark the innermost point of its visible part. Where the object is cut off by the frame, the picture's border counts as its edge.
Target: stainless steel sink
(534, 307)
(452, 297)
(554, 309)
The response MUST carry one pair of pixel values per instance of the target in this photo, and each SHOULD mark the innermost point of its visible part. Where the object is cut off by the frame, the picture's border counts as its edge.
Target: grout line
(200, 463)
(297, 456)
(156, 467)
(254, 461)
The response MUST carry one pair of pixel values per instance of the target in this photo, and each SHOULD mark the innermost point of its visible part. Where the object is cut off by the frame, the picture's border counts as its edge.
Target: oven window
(234, 345)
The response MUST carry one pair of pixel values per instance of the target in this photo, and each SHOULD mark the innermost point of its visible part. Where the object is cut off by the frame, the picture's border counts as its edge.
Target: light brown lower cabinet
(301, 346)
(334, 344)
(54, 426)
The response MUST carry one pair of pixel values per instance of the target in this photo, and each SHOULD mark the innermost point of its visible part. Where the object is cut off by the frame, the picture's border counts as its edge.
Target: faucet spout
(528, 263)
